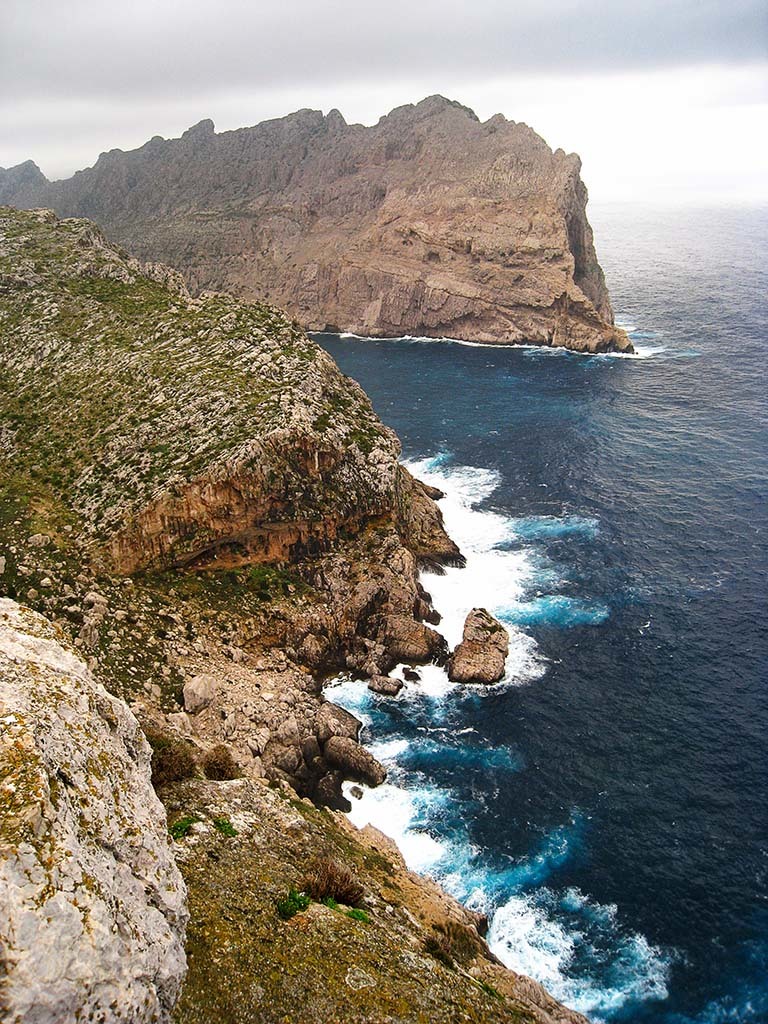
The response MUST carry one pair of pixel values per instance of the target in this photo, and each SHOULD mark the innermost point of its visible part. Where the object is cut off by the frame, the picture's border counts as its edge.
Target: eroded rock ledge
(428, 223)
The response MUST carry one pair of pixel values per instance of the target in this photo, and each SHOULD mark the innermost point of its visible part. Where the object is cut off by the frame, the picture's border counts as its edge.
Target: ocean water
(607, 804)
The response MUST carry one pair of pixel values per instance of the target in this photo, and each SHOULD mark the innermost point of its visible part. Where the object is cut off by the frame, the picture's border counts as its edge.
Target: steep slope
(143, 431)
(429, 223)
(212, 516)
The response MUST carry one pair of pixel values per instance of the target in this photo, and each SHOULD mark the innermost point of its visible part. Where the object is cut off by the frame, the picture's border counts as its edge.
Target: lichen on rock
(93, 905)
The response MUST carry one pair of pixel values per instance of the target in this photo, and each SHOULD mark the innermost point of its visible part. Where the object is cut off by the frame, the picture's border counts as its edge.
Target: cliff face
(429, 223)
(205, 447)
(213, 517)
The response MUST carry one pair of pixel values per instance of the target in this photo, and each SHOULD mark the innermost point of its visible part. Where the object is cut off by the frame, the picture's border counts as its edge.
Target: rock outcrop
(246, 964)
(93, 908)
(429, 223)
(155, 441)
(481, 655)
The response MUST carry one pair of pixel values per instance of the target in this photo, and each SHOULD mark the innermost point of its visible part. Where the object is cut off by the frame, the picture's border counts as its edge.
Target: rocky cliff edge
(430, 223)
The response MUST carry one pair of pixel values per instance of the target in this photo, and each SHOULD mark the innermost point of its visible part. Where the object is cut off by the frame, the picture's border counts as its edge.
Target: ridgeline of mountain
(429, 223)
(203, 517)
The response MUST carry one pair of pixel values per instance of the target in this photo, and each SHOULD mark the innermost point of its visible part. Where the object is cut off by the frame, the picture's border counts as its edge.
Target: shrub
(292, 904)
(172, 758)
(358, 915)
(327, 878)
(438, 947)
(452, 942)
(225, 826)
(182, 826)
(219, 765)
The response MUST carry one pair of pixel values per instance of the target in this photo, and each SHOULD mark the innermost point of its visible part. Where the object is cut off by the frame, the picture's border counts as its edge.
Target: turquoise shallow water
(606, 804)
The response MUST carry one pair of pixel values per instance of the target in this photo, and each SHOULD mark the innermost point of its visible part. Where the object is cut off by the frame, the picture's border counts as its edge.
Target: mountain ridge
(429, 223)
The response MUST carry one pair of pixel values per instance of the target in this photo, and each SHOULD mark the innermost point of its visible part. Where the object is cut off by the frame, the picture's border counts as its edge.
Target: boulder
(354, 761)
(329, 793)
(408, 640)
(198, 693)
(385, 685)
(482, 653)
(331, 721)
(93, 905)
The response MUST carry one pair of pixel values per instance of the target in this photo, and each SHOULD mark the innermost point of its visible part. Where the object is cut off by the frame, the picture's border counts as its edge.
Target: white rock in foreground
(92, 905)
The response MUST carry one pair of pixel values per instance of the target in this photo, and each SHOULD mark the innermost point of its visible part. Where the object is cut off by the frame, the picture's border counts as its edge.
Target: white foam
(644, 352)
(394, 811)
(492, 578)
(525, 931)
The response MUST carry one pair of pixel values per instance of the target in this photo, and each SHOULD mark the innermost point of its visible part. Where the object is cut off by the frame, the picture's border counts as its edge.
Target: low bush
(327, 879)
(225, 826)
(182, 826)
(358, 915)
(219, 765)
(172, 758)
(292, 904)
(452, 942)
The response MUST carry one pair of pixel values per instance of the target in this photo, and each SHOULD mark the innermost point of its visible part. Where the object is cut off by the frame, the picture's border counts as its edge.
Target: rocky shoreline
(200, 518)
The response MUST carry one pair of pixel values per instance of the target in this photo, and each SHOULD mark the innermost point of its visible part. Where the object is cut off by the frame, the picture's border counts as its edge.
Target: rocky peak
(17, 179)
(204, 129)
(430, 106)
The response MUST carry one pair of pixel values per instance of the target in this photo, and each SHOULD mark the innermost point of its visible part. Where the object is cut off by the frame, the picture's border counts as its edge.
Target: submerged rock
(93, 905)
(481, 655)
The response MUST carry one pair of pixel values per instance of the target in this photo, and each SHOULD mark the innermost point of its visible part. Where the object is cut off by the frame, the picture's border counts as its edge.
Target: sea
(607, 803)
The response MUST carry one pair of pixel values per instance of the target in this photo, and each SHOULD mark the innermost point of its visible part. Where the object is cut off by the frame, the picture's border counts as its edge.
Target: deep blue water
(608, 804)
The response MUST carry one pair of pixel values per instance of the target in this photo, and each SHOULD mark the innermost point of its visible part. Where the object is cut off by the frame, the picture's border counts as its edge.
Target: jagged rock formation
(92, 905)
(482, 653)
(429, 223)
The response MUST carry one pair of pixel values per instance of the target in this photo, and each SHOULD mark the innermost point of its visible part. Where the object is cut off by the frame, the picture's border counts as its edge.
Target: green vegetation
(292, 904)
(358, 915)
(183, 826)
(225, 826)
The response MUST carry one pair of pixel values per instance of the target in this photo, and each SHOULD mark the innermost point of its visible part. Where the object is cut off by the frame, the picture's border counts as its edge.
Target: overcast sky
(663, 99)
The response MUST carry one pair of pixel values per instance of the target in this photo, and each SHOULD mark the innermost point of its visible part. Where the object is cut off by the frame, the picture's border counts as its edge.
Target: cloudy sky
(665, 100)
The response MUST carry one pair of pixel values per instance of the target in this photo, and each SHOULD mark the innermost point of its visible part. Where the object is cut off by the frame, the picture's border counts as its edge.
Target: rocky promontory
(430, 223)
(201, 518)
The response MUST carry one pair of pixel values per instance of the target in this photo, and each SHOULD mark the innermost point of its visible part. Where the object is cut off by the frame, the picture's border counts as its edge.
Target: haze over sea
(606, 805)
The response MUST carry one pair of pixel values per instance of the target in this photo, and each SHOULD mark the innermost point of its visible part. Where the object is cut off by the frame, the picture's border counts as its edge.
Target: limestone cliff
(144, 431)
(429, 223)
(212, 517)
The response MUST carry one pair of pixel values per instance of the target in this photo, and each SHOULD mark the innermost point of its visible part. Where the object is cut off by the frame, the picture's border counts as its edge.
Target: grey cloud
(51, 49)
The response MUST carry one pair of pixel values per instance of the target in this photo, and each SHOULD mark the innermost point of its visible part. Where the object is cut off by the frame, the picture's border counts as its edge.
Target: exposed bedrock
(428, 223)
(93, 905)
(208, 445)
(481, 655)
